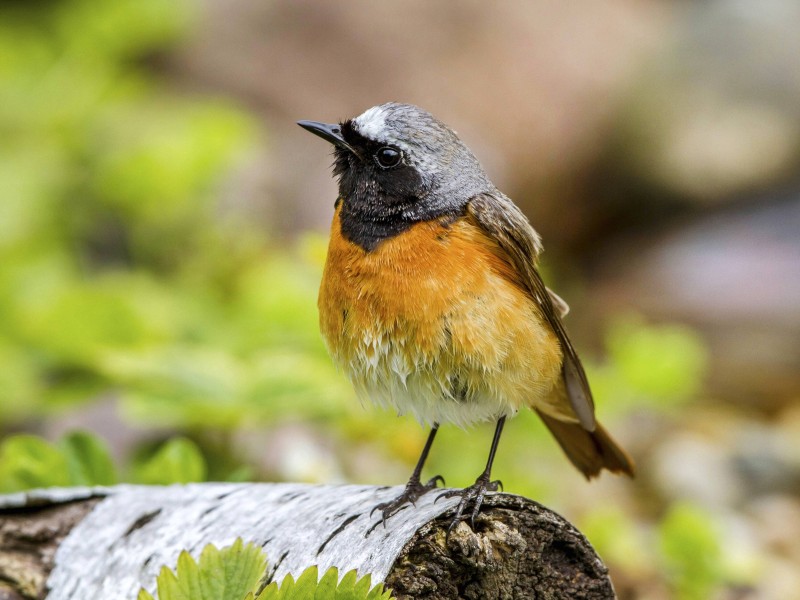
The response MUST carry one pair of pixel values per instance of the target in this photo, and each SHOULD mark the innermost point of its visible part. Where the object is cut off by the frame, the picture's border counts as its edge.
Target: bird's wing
(501, 220)
(558, 303)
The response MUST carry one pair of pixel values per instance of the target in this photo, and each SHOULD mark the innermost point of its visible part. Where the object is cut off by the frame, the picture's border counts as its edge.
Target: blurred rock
(777, 519)
(735, 275)
(766, 461)
(291, 452)
(687, 466)
(716, 114)
(780, 581)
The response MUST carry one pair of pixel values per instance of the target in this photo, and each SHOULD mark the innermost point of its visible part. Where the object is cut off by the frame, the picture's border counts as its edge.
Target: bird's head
(397, 165)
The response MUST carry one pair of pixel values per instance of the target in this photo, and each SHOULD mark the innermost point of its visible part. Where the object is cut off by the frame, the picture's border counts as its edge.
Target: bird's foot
(415, 489)
(474, 494)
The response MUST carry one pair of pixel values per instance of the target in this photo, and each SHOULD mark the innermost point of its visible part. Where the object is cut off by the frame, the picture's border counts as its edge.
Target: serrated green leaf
(271, 592)
(346, 586)
(167, 584)
(144, 595)
(350, 578)
(232, 573)
(327, 585)
(306, 585)
(378, 593)
(362, 587)
(310, 587)
(287, 587)
(238, 568)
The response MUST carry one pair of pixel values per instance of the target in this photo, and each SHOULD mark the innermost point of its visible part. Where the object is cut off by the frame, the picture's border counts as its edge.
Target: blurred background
(163, 228)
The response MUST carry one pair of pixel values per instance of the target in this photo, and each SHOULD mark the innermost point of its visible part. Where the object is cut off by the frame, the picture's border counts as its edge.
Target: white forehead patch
(372, 123)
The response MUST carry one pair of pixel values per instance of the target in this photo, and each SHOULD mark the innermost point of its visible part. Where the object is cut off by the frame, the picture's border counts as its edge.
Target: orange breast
(435, 322)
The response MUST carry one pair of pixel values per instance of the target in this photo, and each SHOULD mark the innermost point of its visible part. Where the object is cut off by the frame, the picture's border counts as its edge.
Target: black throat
(376, 203)
(368, 233)
(367, 224)
(374, 209)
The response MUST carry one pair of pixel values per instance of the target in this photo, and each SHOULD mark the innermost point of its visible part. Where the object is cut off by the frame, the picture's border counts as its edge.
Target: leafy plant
(27, 461)
(228, 574)
(82, 459)
(120, 273)
(309, 587)
(237, 573)
(179, 460)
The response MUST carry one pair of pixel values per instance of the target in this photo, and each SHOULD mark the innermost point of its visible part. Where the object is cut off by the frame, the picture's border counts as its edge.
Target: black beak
(329, 132)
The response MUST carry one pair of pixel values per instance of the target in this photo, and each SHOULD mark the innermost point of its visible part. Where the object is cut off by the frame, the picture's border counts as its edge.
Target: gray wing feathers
(505, 223)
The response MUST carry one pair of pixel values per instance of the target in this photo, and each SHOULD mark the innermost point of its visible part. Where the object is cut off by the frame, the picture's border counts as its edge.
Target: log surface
(113, 541)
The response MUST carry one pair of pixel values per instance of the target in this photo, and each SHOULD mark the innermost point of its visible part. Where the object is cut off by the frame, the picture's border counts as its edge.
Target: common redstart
(431, 301)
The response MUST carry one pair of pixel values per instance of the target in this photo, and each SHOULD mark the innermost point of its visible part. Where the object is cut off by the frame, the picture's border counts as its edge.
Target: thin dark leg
(477, 491)
(415, 476)
(414, 488)
(493, 450)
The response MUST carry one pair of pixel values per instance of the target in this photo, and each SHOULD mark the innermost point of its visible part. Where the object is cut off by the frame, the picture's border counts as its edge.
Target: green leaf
(270, 592)
(327, 585)
(235, 572)
(310, 587)
(345, 591)
(232, 573)
(27, 461)
(306, 585)
(88, 460)
(177, 461)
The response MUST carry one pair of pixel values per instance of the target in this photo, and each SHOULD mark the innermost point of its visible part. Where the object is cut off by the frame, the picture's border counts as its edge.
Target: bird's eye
(388, 157)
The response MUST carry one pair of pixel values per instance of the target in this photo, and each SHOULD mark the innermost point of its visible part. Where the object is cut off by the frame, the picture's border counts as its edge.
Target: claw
(414, 491)
(434, 480)
(474, 494)
(447, 494)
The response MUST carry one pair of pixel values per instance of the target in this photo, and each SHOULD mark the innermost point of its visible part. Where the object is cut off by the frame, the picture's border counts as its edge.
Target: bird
(431, 301)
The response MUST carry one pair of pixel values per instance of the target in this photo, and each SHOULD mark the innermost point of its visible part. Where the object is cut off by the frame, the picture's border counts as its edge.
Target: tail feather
(590, 451)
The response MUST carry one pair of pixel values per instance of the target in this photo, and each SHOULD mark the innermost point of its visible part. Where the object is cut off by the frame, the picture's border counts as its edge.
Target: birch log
(107, 543)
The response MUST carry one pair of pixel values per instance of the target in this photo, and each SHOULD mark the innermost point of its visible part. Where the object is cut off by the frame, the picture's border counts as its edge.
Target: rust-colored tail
(590, 451)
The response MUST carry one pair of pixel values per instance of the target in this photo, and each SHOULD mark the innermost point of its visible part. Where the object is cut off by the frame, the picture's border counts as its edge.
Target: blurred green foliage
(82, 459)
(691, 552)
(179, 460)
(27, 461)
(648, 366)
(118, 269)
(686, 550)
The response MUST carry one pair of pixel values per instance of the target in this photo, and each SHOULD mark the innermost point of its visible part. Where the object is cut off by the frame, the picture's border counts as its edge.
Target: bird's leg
(414, 488)
(476, 492)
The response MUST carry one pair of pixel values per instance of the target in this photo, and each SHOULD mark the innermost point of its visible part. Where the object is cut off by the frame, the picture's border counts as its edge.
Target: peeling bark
(29, 538)
(109, 542)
